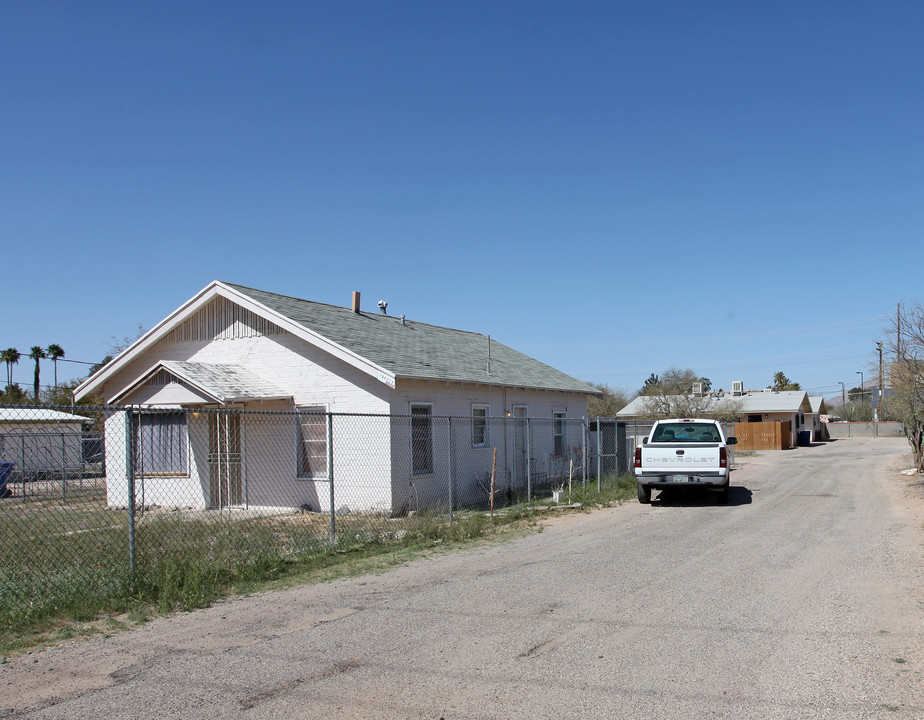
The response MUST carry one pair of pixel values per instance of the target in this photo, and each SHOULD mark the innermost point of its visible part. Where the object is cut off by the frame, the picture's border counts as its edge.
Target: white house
(813, 420)
(233, 347)
(40, 441)
(768, 405)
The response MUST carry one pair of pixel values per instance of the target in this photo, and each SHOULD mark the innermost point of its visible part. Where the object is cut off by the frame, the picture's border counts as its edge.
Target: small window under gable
(480, 431)
(311, 443)
(558, 433)
(421, 439)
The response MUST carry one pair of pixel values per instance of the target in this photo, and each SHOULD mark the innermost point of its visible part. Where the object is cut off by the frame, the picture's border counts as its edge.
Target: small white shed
(39, 441)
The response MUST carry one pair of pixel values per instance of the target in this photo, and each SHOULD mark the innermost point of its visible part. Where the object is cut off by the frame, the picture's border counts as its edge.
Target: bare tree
(609, 403)
(905, 343)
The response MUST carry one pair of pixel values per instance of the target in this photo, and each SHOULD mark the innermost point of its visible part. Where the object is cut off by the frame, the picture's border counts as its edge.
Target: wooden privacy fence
(764, 435)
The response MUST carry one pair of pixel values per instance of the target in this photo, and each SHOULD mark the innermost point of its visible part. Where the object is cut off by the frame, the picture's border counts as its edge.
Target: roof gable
(382, 346)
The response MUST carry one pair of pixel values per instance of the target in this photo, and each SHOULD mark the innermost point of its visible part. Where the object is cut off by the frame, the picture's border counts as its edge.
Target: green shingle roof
(416, 350)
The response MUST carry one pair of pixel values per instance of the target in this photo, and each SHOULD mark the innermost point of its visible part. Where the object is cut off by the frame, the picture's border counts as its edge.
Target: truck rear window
(686, 432)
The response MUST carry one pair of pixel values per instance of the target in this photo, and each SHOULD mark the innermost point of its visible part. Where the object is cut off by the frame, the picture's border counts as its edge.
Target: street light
(860, 373)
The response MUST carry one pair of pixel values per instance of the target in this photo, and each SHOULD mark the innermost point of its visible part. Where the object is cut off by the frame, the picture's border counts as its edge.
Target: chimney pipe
(356, 301)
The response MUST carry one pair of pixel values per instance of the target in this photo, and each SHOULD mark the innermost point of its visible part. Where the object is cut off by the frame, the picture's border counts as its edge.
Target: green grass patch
(612, 490)
(65, 569)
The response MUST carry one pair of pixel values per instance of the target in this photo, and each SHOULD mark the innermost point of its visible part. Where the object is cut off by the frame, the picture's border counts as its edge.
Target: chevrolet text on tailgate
(683, 452)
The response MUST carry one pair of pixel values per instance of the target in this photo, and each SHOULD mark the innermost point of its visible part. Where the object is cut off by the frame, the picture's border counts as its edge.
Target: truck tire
(644, 494)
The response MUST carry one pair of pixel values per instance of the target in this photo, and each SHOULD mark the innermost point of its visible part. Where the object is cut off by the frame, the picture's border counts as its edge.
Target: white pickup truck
(683, 452)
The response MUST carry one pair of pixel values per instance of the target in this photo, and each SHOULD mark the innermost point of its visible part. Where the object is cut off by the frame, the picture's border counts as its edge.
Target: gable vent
(222, 319)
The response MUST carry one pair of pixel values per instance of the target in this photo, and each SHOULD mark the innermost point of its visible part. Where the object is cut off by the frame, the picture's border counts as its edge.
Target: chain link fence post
(599, 453)
(330, 477)
(529, 463)
(451, 444)
(130, 480)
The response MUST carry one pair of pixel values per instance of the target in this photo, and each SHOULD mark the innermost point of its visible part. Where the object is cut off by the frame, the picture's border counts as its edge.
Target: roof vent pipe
(356, 301)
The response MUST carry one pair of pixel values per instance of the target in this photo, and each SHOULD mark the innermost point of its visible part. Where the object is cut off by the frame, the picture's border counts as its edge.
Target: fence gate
(226, 476)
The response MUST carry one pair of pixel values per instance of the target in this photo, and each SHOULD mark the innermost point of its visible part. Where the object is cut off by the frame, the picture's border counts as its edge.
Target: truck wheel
(644, 494)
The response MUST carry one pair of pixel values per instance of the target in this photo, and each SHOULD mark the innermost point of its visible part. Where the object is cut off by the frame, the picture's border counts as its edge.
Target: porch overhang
(174, 382)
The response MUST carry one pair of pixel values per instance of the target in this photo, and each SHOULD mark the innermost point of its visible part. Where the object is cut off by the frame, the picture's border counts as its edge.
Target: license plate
(681, 478)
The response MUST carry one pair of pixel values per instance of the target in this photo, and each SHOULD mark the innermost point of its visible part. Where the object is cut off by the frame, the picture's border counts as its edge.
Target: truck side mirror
(731, 441)
(645, 440)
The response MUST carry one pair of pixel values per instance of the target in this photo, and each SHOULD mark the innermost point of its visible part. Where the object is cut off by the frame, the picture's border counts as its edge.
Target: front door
(226, 477)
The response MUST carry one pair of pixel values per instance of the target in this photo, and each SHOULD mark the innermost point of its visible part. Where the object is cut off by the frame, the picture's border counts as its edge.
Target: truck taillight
(723, 457)
(638, 457)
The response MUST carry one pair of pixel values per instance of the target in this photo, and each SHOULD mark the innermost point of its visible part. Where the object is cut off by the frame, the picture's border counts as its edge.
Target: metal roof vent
(383, 306)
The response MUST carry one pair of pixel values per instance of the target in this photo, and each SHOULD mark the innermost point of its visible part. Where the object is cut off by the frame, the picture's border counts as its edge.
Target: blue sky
(614, 188)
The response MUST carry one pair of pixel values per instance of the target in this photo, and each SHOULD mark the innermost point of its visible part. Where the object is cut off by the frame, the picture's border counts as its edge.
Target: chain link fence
(99, 501)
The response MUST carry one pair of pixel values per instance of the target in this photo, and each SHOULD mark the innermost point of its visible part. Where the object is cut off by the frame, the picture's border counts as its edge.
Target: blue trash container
(6, 469)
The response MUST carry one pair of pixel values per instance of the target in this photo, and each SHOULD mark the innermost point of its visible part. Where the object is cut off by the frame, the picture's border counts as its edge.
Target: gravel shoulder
(803, 598)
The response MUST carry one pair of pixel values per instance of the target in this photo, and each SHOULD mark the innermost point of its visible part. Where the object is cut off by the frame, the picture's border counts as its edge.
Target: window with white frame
(421, 439)
(558, 433)
(480, 432)
(311, 442)
(161, 443)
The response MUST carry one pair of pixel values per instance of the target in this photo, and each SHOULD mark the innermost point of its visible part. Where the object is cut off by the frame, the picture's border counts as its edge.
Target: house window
(558, 433)
(422, 439)
(480, 435)
(161, 443)
(311, 442)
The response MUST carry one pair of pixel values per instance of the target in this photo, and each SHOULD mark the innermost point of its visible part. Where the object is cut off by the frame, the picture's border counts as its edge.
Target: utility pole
(879, 405)
(843, 393)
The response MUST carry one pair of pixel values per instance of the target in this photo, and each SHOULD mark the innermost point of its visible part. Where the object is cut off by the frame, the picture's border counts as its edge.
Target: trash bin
(805, 438)
(6, 469)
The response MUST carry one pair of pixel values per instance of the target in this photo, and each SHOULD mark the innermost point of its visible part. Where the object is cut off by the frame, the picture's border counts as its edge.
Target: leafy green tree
(650, 385)
(36, 353)
(14, 395)
(781, 382)
(55, 352)
(10, 356)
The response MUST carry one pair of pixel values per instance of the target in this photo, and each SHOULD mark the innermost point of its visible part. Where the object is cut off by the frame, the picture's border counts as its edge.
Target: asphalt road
(801, 598)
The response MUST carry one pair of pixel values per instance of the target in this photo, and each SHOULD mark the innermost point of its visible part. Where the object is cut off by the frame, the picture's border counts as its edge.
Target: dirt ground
(178, 657)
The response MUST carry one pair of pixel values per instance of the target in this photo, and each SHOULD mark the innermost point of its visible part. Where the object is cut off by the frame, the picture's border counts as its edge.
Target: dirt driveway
(802, 598)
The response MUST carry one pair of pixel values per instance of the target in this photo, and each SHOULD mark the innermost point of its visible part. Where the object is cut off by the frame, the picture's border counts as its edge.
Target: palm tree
(36, 353)
(10, 356)
(55, 352)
